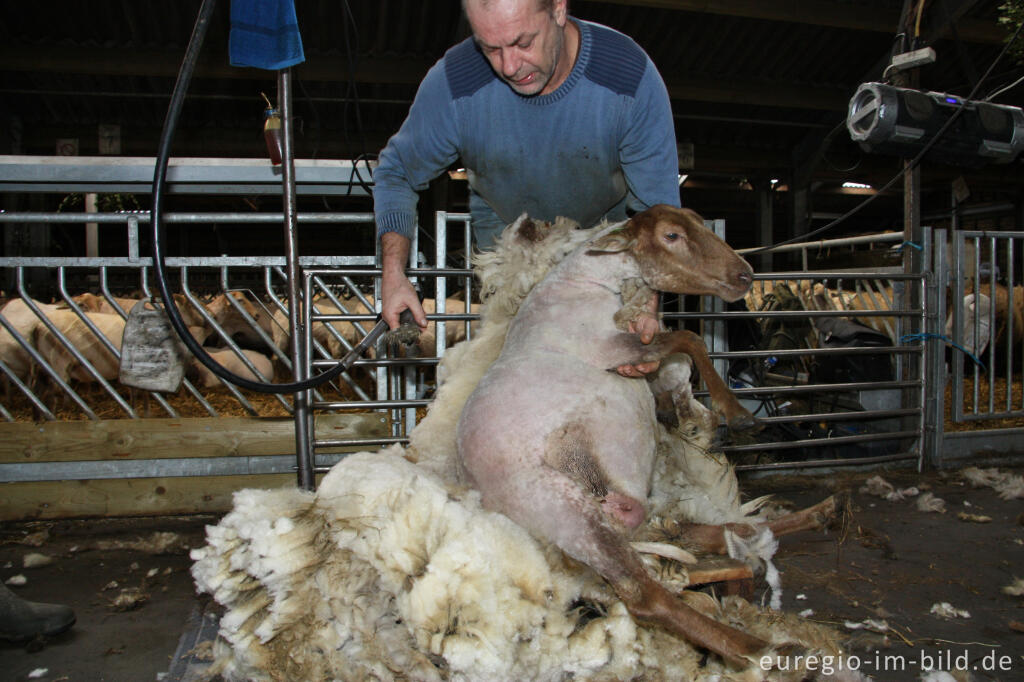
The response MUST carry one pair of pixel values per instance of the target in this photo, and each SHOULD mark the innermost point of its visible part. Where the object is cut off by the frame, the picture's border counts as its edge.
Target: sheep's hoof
(744, 422)
(834, 511)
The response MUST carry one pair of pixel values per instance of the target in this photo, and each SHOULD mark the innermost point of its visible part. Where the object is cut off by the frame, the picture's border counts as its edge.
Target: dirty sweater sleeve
(421, 150)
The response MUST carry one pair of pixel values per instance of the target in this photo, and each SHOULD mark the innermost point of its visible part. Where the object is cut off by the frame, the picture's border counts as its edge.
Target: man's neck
(566, 60)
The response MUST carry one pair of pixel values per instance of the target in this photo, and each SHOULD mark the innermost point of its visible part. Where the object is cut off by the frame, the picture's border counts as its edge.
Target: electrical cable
(827, 141)
(156, 218)
(351, 55)
(1004, 89)
(912, 164)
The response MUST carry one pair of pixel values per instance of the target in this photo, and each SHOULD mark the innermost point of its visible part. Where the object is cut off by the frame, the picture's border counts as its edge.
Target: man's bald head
(542, 5)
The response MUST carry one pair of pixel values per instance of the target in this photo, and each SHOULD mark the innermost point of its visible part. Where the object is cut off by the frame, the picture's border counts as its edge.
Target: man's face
(523, 43)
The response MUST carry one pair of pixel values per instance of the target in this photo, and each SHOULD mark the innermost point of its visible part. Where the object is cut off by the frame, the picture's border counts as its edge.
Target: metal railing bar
(18, 383)
(62, 283)
(381, 362)
(357, 442)
(364, 405)
(818, 352)
(821, 388)
(75, 353)
(861, 415)
(281, 305)
(829, 243)
(790, 314)
(181, 217)
(205, 314)
(255, 326)
(818, 442)
(185, 382)
(824, 463)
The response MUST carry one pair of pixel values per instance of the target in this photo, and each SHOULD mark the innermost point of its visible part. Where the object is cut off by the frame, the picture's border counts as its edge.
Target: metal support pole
(935, 355)
(714, 333)
(300, 363)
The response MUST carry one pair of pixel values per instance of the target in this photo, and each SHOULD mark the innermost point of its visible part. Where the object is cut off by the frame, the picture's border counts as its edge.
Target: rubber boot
(23, 620)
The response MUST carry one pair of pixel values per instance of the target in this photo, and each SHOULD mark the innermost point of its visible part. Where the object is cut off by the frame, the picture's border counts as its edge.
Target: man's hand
(646, 326)
(396, 290)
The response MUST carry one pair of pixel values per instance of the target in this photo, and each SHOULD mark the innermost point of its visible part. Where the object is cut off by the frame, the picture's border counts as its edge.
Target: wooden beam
(819, 13)
(759, 93)
(391, 70)
(128, 496)
(165, 63)
(141, 439)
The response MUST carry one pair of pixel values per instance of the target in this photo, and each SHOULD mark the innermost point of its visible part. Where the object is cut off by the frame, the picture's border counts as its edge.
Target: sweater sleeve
(648, 152)
(422, 149)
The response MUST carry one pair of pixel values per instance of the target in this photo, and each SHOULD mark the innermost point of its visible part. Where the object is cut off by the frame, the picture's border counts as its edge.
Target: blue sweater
(602, 141)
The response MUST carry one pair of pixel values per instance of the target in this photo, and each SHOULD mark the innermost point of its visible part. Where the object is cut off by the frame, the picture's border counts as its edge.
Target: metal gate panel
(404, 385)
(256, 281)
(987, 297)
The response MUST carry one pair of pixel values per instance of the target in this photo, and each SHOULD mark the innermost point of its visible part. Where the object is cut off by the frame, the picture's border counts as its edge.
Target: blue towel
(264, 34)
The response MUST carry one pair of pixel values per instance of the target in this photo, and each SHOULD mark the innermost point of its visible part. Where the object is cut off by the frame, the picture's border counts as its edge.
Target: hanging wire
(1004, 89)
(914, 163)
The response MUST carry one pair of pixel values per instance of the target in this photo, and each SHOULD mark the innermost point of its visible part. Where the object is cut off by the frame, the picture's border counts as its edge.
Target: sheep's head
(677, 253)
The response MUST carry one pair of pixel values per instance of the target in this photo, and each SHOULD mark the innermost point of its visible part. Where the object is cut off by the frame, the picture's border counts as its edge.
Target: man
(550, 115)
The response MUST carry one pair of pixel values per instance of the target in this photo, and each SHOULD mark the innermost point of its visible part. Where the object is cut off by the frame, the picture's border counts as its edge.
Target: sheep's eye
(671, 236)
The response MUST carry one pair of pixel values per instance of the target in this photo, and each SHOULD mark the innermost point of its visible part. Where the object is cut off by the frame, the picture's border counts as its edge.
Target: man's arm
(650, 163)
(647, 151)
(397, 292)
(422, 148)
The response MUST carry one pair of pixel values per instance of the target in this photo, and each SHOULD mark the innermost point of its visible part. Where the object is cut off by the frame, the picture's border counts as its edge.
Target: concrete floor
(891, 563)
(126, 632)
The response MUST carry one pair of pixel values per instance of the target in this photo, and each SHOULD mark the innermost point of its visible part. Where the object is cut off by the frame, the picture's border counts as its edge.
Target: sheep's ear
(615, 241)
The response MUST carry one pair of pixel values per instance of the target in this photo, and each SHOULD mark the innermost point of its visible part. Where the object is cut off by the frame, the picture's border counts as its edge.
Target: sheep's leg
(737, 417)
(711, 538)
(550, 505)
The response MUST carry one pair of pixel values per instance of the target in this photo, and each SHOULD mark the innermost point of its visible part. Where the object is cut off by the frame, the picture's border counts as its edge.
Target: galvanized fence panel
(988, 324)
(809, 421)
(826, 401)
(249, 324)
(406, 377)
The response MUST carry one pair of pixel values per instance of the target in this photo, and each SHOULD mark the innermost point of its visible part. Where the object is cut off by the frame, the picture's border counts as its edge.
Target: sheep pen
(392, 570)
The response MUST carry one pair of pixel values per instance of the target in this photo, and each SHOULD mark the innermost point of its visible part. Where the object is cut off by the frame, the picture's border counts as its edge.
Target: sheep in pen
(59, 358)
(406, 563)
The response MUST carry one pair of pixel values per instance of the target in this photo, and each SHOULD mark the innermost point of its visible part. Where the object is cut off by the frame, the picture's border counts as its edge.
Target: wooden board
(121, 439)
(129, 496)
(143, 439)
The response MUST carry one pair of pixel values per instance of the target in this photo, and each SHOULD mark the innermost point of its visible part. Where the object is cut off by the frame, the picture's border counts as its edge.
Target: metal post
(714, 334)
(440, 258)
(933, 388)
(300, 364)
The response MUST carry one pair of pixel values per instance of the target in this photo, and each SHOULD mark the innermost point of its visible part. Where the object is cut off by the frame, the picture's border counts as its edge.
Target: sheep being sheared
(392, 570)
(565, 447)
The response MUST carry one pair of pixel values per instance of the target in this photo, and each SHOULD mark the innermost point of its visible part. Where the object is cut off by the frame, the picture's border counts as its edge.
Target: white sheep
(392, 570)
(85, 341)
(25, 323)
(231, 361)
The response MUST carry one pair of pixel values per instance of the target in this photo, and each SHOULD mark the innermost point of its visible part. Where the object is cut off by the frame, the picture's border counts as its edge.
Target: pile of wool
(384, 573)
(1009, 486)
(393, 570)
